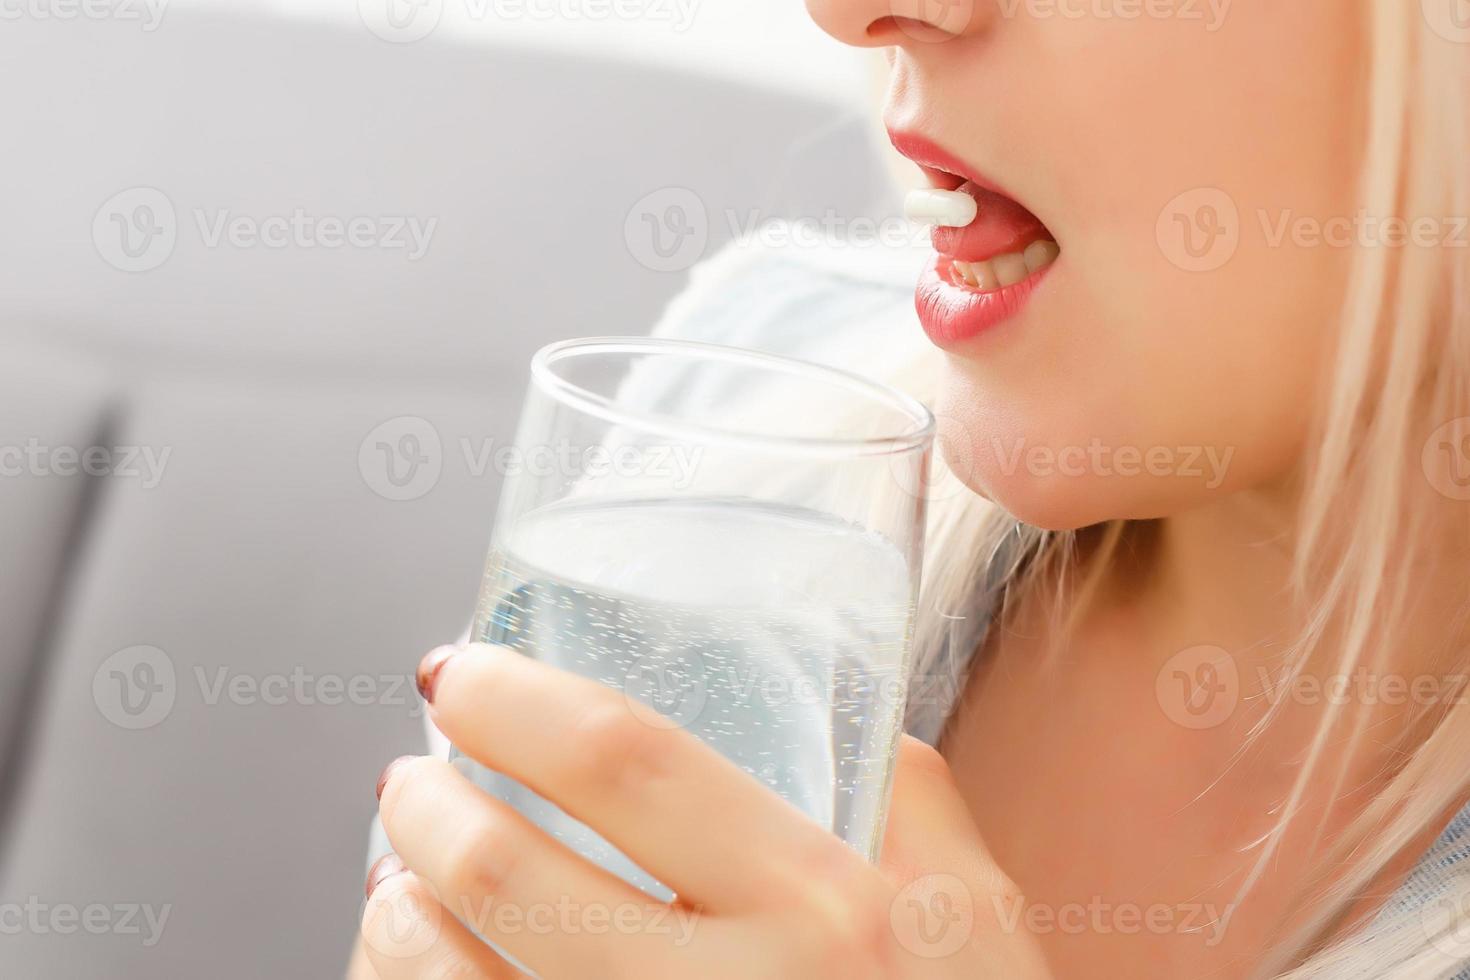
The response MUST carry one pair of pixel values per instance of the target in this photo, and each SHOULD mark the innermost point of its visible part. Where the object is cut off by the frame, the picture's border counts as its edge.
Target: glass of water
(731, 538)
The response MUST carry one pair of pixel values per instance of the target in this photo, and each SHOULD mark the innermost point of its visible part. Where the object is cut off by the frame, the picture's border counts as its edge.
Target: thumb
(951, 892)
(930, 829)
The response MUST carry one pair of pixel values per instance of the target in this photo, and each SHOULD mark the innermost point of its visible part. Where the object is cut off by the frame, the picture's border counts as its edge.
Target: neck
(1223, 575)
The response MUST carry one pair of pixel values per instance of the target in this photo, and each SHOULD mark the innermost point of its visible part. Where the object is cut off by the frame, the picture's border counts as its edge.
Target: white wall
(768, 42)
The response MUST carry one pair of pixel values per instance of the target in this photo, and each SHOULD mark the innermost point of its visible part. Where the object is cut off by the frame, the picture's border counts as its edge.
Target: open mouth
(986, 267)
(1003, 246)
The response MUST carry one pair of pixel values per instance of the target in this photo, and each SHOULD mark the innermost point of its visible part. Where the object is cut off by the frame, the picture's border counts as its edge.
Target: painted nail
(429, 668)
(384, 868)
(388, 772)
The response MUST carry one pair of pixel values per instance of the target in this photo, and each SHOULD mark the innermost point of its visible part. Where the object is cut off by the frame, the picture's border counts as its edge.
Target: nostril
(894, 23)
(896, 29)
(882, 26)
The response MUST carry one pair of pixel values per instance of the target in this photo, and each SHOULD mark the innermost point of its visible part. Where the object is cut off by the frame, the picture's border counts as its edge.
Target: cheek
(1151, 398)
(1096, 449)
(1183, 342)
(1156, 399)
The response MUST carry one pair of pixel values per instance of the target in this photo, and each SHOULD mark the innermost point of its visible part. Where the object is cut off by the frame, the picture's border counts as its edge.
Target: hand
(762, 890)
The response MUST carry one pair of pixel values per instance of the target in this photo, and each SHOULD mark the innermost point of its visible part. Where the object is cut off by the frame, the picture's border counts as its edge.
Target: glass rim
(916, 413)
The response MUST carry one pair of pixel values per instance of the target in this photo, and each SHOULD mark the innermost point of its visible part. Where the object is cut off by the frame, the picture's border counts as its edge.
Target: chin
(1052, 505)
(1039, 493)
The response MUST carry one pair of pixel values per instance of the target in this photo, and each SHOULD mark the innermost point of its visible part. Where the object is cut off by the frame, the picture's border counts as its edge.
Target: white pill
(950, 209)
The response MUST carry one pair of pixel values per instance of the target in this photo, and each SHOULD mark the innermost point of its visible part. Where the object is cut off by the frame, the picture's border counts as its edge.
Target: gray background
(270, 546)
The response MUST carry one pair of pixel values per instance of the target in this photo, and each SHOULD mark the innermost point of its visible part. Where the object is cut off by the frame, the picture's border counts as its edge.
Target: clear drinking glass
(731, 538)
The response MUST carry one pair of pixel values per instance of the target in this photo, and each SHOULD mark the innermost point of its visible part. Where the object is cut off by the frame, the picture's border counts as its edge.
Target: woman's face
(1194, 161)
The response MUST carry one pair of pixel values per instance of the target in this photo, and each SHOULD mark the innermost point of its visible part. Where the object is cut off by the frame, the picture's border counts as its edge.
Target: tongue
(1001, 226)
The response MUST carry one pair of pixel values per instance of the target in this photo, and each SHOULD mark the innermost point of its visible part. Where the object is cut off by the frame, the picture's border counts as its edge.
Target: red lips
(950, 312)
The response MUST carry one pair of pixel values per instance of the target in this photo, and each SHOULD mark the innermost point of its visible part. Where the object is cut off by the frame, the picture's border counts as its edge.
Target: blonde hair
(1401, 364)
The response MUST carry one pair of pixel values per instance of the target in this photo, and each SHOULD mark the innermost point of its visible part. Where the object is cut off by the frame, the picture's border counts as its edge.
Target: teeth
(1041, 254)
(1005, 270)
(1009, 268)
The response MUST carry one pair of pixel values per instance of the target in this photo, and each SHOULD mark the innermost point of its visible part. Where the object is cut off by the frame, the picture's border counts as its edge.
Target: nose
(905, 23)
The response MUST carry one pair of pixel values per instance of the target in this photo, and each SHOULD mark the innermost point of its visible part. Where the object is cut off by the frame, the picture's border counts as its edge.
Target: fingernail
(388, 772)
(429, 668)
(384, 868)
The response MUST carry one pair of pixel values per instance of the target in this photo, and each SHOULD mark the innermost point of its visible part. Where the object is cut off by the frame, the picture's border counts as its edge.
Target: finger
(361, 968)
(408, 935)
(655, 791)
(505, 878)
(929, 825)
(952, 893)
